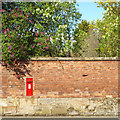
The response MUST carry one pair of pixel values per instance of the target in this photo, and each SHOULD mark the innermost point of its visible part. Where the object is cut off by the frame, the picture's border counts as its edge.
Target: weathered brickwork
(65, 79)
(62, 86)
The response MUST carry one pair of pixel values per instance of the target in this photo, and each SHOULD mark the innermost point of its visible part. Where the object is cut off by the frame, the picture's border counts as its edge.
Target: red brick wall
(65, 79)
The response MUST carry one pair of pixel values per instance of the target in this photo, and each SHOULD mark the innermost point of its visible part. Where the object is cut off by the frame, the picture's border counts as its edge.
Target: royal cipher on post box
(29, 86)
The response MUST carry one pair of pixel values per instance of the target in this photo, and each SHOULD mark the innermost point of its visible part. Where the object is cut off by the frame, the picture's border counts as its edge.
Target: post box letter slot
(29, 81)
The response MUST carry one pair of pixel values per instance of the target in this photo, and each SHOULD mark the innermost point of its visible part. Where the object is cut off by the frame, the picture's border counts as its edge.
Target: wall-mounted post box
(29, 86)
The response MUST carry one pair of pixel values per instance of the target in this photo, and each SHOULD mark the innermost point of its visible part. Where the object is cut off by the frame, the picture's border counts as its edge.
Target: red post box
(29, 86)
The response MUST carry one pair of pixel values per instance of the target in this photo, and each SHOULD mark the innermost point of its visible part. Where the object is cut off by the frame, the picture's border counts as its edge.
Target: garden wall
(62, 86)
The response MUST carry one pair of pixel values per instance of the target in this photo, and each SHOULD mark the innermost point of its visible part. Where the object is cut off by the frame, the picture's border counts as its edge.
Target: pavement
(60, 118)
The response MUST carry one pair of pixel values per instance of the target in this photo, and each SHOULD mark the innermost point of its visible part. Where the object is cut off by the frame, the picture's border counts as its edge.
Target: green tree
(19, 40)
(58, 22)
(84, 25)
(36, 29)
(80, 35)
(108, 29)
(67, 17)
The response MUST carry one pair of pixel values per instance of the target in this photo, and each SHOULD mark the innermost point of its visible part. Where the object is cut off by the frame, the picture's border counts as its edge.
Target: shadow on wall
(20, 69)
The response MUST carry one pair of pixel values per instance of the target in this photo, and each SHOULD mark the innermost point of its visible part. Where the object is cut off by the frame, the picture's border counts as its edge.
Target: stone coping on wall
(75, 59)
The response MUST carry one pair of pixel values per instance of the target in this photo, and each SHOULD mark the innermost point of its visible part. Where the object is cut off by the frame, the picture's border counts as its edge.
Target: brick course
(65, 79)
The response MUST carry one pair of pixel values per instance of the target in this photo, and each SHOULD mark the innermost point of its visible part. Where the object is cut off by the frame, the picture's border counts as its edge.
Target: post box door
(29, 86)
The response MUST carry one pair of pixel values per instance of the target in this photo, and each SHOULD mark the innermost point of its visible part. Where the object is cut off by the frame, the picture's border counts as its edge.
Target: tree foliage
(108, 28)
(62, 38)
(84, 25)
(80, 35)
(36, 29)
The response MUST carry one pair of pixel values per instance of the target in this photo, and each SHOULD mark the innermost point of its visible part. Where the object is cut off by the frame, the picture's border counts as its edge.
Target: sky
(90, 11)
